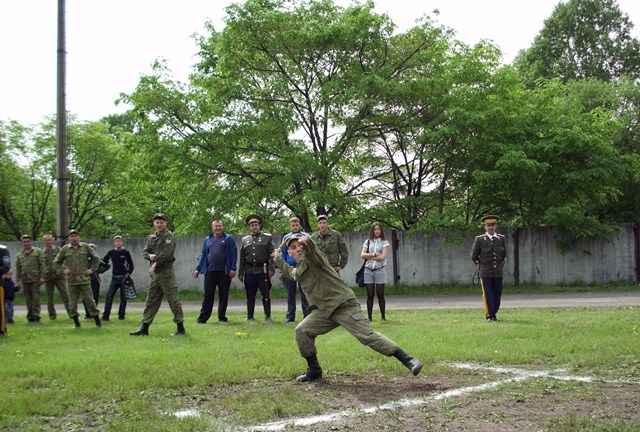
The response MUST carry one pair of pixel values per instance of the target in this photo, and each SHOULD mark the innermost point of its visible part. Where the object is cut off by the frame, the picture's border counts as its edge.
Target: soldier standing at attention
(256, 268)
(5, 266)
(331, 243)
(79, 264)
(332, 304)
(160, 252)
(52, 278)
(489, 253)
(30, 271)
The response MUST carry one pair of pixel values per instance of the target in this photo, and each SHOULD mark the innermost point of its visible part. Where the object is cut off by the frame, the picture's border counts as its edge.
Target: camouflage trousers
(163, 284)
(74, 295)
(50, 286)
(349, 315)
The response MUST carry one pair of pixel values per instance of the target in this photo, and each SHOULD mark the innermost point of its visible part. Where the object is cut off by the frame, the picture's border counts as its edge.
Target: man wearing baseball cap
(332, 303)
(331, 243)
(78, 262)
(160, 252)
(489, 253)
(30, 271)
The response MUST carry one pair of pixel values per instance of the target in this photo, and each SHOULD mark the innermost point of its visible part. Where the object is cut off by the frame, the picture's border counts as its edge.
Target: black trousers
(212, 280)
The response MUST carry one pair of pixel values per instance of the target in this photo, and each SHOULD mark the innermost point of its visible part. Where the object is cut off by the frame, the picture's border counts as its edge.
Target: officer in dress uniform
(256, 267)
(5, 266)
(489, 253)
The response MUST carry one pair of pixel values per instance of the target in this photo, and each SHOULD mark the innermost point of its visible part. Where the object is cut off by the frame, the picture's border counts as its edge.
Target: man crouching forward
(331, 304)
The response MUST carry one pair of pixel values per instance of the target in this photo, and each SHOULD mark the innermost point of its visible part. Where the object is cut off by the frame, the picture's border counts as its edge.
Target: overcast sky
(111, 43)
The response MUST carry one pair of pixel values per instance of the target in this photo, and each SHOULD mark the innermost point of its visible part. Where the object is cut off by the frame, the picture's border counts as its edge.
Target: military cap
(490, 219)
(322, 216)
(294, 237)
(74, 232)
(116, 237)
(160, 216)
(25, 236)
(253, 218)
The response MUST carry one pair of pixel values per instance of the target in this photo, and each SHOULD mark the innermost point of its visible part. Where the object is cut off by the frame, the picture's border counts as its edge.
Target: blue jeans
(117, 283)
(8, 310)
(292, 287)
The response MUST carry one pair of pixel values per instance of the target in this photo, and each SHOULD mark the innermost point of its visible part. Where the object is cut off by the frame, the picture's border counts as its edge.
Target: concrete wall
(434, 260)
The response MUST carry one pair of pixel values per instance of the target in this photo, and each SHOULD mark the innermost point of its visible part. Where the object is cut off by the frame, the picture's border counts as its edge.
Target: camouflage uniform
(333, 246)
(78, 259)
(163, 283)
(54, 279)
(331, 304)
(30, 268)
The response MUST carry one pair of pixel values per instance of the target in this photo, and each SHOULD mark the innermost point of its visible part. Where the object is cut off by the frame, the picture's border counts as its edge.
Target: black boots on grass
(314, 371)
(412, 364)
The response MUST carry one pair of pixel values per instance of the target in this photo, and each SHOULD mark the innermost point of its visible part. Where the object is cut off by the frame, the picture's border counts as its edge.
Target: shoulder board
(480, 236)
(267, 234)
(246, 237)
(500, 235)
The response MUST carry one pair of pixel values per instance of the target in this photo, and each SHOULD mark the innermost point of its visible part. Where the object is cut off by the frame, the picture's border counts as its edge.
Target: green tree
(583, 39)
(279, 110)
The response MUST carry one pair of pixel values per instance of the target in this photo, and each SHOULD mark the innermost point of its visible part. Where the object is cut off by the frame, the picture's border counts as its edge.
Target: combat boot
(76, 321)
(97, 320)
(314, 371)
(180, 331)
(144, 331)
(412, 364)
(266, 304)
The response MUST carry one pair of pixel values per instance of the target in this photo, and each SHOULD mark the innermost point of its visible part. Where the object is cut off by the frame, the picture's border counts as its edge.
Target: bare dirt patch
(534, 404)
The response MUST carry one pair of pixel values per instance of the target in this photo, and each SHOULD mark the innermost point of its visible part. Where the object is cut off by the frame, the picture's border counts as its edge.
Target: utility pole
(62, 205)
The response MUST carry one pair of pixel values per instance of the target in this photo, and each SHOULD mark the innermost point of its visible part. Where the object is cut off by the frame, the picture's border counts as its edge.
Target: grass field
(239, 374)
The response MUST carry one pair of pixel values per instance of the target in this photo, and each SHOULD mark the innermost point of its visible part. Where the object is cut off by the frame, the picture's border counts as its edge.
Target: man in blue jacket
(218, 265)
(293, 286)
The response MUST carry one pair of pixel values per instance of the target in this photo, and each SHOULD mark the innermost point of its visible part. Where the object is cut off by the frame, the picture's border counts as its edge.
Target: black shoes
(310, 375)
(410, 363)
(97, 320)
(143, 331)
(76, 322)
(180, 331)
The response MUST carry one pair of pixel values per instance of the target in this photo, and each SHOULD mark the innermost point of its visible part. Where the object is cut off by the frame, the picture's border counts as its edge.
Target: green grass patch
(55, 377)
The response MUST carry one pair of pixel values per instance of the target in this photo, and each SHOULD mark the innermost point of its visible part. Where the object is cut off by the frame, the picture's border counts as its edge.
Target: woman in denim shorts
(374, 251)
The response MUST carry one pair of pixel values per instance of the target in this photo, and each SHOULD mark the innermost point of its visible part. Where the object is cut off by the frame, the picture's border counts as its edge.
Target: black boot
(76, 321)
(144, 331)
(97, 319)
(180, 330)
(314, 371)
(412, 364)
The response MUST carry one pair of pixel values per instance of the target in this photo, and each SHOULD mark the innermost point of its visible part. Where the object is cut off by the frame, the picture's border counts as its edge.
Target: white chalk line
(519, 374)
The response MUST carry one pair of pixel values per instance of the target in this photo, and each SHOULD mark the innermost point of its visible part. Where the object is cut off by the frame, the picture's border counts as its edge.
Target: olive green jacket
(78, 259)
(49, 256)
(324, 288)
(163, 246)
(30, 268)
(333, 246)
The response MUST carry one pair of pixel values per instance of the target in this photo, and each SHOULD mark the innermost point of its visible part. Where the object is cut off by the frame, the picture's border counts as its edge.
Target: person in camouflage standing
(52, 278)
(331, 243)
(160, 252)
(30, 270)
(78, 262)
